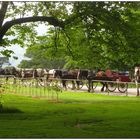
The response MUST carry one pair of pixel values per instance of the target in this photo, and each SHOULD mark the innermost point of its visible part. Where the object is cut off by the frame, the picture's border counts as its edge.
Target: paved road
(130, 91)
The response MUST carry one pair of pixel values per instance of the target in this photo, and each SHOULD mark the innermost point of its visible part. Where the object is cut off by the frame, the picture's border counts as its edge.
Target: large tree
(19, 19)
(23, 12)
(92, 34)
(112, 32)
(103, 34)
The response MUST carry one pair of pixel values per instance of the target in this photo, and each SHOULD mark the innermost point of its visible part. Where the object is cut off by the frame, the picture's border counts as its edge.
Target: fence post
(126, 92)
(89, 85)
(137, 85)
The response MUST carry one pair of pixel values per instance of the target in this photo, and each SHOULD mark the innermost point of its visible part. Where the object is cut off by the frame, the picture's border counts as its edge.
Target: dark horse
(66, 76)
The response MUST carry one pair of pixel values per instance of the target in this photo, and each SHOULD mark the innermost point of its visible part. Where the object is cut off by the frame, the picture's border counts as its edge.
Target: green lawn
(76, 115)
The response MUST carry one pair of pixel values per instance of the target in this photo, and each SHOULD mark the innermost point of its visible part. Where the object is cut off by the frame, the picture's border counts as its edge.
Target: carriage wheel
(112, 86)
(122, 87)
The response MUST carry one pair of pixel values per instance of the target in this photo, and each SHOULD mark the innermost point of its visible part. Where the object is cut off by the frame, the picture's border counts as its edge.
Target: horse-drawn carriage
(78, 78)
(112, 80)
(119, 81)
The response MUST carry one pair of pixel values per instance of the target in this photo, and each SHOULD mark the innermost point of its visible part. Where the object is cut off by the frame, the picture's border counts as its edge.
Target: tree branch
(68, 43)
(51, 20)
(3, 10)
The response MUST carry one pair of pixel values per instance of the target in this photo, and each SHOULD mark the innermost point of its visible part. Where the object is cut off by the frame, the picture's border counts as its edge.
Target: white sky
(19, 52)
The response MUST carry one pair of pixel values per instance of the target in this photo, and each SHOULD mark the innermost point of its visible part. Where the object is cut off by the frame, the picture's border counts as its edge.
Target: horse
(8, 72)
(66, 75)
(2, 71)
(33, 73)
(40, 73)
(27, 73)
(92, 75)
(89, 75)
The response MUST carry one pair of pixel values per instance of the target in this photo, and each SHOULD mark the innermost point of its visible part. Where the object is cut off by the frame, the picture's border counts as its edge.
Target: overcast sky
(19, 52)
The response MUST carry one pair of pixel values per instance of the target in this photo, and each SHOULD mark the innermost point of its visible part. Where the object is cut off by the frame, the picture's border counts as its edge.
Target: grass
(76, 115)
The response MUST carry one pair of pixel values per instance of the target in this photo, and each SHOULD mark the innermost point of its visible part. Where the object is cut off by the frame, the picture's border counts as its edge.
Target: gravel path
(130, 91)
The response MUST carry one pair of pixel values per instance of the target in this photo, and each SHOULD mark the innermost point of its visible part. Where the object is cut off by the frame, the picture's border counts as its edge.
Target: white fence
(22, 85)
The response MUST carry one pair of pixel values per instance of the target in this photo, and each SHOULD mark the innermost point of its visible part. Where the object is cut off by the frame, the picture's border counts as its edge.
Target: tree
(19, 19)
(4, 60)
(92, 42)
(105, 30)
(112, 33)
(42, 55)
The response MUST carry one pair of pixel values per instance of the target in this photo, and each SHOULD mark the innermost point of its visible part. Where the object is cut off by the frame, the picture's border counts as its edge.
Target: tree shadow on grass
(9, 110)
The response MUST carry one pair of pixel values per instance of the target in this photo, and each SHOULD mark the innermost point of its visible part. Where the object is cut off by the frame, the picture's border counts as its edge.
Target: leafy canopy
(84, 34)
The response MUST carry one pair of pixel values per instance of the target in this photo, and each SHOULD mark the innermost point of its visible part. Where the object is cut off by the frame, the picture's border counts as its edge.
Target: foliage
(1, 104)
(100, 34)
(108, 27)
(84, 34)
(18, 20)
(2, 90)
(4, 60)
(42, 55)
